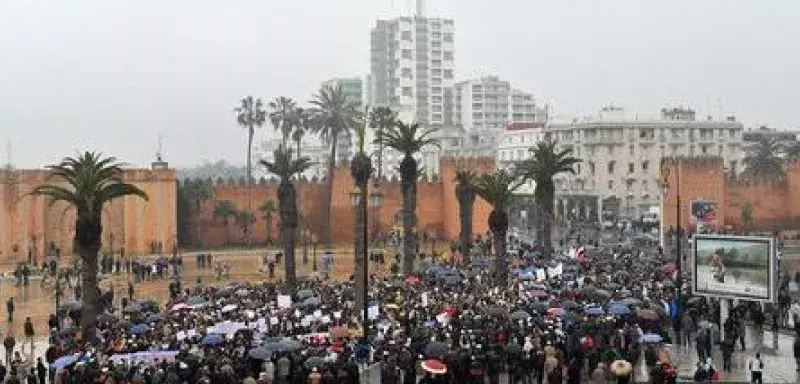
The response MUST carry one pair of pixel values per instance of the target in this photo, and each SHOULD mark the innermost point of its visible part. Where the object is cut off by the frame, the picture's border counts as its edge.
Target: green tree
(546, 163)
(250, 114)
(497, 189)
(408, 139)
(762, 159)
(465, 193)
(332, 114)
(792, 151)
(285, 168)
(87, 183)
(301, 127)
(224, 210)
(245, 221)
(267, 209)
(381, 119)
(197, 192)
(283, 116)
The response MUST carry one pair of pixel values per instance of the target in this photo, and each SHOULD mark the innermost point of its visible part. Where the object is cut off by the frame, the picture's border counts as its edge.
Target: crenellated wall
(437, 206)
(31, 222)
(773, 203)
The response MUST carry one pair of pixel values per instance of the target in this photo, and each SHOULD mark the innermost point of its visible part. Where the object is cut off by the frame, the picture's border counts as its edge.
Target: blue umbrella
(64, 361)
(619, 310)
(594, 311)
(650, 338)
(213, 340)
(140, 329)
(261, 353)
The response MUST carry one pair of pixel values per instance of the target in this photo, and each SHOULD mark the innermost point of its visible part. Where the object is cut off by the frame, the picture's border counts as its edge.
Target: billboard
(703, 214)
(736, 267)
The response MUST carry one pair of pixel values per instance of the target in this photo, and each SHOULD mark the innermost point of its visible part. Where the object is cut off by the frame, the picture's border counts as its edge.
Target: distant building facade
(491, 103)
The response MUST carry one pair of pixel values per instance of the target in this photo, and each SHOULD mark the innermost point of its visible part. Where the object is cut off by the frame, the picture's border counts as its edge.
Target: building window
(591, 168)
(644, 185)
(731, 133)
(407, 74)
(448, 55)
(406, 35)
(720, 150)
(629, 184)
(630, 150)
(591, 151)
(611, 184)
(406, 54)
(436, 63)
(448, 73)
(610, 149)
(521, 153)
(631, 168)
(645, 165)
(611, 165)
(704, 149)
(436, 89)
(448, 37)
(436, 72)
(436, 99)
(407, 91)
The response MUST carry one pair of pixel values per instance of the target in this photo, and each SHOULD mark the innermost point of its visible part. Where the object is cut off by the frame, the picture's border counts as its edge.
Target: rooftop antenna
(160, 149)
(8, 154)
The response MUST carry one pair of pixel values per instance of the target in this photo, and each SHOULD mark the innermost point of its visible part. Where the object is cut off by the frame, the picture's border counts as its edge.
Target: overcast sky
(112, 75)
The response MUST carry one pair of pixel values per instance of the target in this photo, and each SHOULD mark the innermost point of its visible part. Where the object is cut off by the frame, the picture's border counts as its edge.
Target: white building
(514, 146)
(621, 157)
(311, 148)
(491, 103)
(412, 68)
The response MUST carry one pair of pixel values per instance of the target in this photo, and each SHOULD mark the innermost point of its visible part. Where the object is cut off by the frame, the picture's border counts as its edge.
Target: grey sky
(111, 75)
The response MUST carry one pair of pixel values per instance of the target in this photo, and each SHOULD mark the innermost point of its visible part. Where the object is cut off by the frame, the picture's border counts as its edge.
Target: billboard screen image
(704, 214)
(734, 267)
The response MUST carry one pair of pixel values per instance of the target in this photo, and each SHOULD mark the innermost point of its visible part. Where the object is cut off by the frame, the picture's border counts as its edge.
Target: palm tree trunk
(326, 201)
(544, 196)
(250, 133)
(465, 209)
(498, 223)
(268, 223)
(87, 236)
(360, 261)
(409, 208)
(288, 237)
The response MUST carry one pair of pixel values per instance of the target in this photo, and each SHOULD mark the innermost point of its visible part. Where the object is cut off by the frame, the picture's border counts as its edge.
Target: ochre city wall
(437, 207)
(31, 223)
(774, 203)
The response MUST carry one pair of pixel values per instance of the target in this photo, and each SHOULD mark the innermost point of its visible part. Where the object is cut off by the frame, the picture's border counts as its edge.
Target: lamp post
(678, 241)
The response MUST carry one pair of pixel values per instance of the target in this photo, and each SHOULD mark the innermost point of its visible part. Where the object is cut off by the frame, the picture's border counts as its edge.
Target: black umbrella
(304, 294)
(135, 307)
(519, 315)
(314, 361)
(538, 307)
(435, 349)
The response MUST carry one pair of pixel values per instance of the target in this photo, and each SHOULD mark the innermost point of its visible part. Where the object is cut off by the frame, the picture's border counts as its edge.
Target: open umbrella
(619, 310)
(288, 345)
(314, 362)
(434, 366)
(650, 338)
(71, 306)
(213, 340)
(632, 301)
(519, 315)
(339, 332)
(312, 302)
(229, 308)
(135, 307)
(667, 268)
(304, 294)
(412, 280)
(180, 307)
(242, 292)
(435, 349)
(140, 329)
(594, 311)
(556, 311)
(196, 300)
(65, 361)
(261, 353)
(538, 307)
(621, 368)
(538, 294)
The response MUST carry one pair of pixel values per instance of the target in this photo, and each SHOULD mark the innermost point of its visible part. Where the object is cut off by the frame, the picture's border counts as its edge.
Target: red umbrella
(412, 280)
(339, 332)
(434, 366)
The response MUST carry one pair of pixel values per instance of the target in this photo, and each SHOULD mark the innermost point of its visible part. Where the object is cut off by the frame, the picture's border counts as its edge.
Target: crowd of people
(585, 313)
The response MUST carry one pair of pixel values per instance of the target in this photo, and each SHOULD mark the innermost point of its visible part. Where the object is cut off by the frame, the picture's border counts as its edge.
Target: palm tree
(282, 115)
(87, 183)
(199, 191)
(792, 151)
(285, 167)
(545, 163)
(408, 140)
(747, 216)
(245, 221)
(381, 118)
(267, 209)
(497, 189)
(465, 193)
(762, 159)
(331, 116)
(224, 210)
(300, 128)
(250, 114)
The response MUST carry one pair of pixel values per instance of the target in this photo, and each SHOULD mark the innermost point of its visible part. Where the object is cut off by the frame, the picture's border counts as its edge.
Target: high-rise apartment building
(491, 103)
(412, 68)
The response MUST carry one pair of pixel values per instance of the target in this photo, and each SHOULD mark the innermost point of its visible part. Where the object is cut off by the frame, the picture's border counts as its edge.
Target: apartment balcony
(605, 140)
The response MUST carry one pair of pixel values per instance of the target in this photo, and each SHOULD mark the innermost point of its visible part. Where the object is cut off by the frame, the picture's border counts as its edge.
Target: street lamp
(314, 250)
(679, 239)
